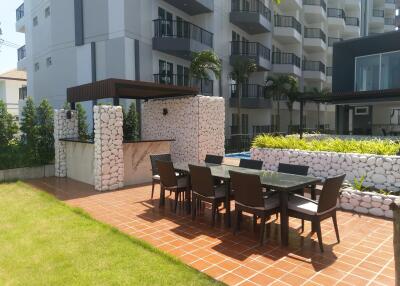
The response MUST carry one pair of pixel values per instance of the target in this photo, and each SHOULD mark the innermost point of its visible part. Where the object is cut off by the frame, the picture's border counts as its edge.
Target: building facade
(75, 42)
(13, 89)
(366, 85)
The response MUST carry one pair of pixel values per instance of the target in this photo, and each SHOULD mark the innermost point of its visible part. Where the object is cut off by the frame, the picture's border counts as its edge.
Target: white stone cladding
(108, 139)
(380, 172)
(195, 123)
(63, 128)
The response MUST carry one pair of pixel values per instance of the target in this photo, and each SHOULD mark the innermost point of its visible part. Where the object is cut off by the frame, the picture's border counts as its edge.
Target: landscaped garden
(44, 242)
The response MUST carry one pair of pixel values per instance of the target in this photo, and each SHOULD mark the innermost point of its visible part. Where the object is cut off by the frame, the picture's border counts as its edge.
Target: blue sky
(8, 56)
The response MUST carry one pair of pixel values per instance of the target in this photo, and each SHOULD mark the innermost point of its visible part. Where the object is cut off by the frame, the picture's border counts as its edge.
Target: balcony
(205, 86)
(331, 42)
(193, 7)
(329, 71)
(314, 10)
(180, 38)
(252, 96)
(353, 5)
(390, 24)
(287, 29)
(377, 20)
(336, 18)
(251, 16)
(254, 51)
(390, 5)
(314, 40)
(20, 20)
(286, 63)
(352, 28)
(314, 70)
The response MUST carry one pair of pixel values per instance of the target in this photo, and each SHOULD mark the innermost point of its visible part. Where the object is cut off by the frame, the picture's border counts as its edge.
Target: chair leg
(262, 232)
(176, 201)
(336, 227)
(237, 224)
(254, 222)
(319, 234)
(213, 212)
(152, 189)
(302, 225)
(194, 207)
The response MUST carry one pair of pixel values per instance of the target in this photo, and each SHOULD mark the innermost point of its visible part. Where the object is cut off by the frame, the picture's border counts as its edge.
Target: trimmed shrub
(131, 123)
(82, 122)
(8, 128)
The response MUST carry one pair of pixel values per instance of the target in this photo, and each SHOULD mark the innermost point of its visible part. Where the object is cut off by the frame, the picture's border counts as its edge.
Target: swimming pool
(241, 155)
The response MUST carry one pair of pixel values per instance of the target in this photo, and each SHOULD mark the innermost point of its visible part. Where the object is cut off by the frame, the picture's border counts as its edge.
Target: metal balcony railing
(20, 12)
(21, 53)
(329, 71)
(314, 33)
(251, 49)
(378, 13)
(331, 41)
(336, 13)
(352, 21)
(249, 91)
(182, 29)
(285, 59)
(313, 66)
(390, 21)
(321, 3)
(287, 21)
(252, 6)
(205, 86)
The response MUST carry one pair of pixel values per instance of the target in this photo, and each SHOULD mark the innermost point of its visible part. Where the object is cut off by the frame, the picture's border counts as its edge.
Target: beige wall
(80, 161)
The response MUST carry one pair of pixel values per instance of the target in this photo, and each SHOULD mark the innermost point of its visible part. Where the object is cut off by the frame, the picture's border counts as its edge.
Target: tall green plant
(131, 123)
(204, 64)
(292, 93)
(8, 128)
(45, 124)
(82, 122)
(29, 128)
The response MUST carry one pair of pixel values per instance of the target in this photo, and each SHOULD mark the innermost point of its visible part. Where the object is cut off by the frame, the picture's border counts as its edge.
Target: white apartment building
(12, 89)
(75, 42)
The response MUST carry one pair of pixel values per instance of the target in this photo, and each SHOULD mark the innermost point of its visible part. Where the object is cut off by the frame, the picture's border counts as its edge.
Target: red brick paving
(364, 256)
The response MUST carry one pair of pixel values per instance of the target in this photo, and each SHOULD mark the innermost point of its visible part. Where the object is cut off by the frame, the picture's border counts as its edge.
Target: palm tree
(316, 92)
(204, 64)
(242, 68)
(292, 93)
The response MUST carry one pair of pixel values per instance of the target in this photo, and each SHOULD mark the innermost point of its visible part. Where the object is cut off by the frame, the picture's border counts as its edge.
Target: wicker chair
(251, 164)
(294, 170)
(214, 159)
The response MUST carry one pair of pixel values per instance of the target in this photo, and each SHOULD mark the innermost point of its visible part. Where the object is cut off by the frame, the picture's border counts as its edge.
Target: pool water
(241, 155)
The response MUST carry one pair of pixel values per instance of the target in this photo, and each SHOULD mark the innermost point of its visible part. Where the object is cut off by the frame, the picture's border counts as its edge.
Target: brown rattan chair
(169, 181)
(249, 198)
(294, 170)
(214, 159)
(154, 168)
(251, 164)
(204, 189)
(307, 209)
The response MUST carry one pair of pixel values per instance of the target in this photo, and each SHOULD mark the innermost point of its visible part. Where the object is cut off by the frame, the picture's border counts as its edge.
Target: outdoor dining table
(281, 182)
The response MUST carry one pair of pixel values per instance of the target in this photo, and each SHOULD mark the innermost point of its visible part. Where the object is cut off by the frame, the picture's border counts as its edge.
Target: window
(47, 12)
(166, 25)
(37, 67)
(390, 72)
(182, 74)
(361, 110)
(165, 72)
(49, 61)
(35, 21)
(395, 116)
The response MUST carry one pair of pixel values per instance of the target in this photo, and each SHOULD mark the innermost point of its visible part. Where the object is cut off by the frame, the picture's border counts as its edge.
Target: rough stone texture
(108, 139)
(196, 124)
(63, 128)
(381, 172)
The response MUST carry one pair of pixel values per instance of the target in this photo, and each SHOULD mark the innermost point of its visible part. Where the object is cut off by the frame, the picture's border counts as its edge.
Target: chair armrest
(303, 198)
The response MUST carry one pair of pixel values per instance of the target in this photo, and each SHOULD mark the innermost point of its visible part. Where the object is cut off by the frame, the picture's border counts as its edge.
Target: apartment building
(12, 89)
(75, 42)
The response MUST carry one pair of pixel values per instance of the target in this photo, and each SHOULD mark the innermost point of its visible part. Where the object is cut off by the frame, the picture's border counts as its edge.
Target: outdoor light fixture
(165, 111)
(69, 114)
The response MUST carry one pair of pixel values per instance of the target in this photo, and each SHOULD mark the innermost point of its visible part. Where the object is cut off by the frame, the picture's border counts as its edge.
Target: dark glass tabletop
(270, 179)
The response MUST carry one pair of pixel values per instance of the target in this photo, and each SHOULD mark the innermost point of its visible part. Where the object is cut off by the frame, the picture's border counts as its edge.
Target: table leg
(313, 197)
(228, 204)
(283, 197)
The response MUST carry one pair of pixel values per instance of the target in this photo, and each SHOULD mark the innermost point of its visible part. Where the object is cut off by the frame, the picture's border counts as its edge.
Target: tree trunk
(290, 118)
(396, 238)
(278, 117)
(318, 119)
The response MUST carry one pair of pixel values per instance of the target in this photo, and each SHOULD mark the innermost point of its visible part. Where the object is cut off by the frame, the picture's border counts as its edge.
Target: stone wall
(380, 172)
(63, 128)
(108, 157)
(197, 124)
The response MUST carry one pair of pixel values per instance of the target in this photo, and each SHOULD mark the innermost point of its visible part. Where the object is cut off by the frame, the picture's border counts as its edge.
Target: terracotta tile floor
(364, 257)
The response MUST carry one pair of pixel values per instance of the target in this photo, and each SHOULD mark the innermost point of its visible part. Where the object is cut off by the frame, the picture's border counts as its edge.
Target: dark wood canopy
(130, 89)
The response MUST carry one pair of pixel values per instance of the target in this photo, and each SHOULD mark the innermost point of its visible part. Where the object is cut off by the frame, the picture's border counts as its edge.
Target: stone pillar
(63, 128)
(108, 139)
(396, 238)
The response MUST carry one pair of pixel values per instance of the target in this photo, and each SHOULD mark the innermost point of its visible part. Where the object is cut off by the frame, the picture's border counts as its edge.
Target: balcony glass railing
(287, 21)
(205, 86)
(329, 71)
(321, 3)
(20, 12)
(336, 13)
(390, 21)
(251, 49)
(314, 33)
(251, 6)
(182, 29)
(248, 91)
(331, 41)
(352, 21)
(21, 53)
(285, 59)
(378, 13)
(313, 66)
(390, 1)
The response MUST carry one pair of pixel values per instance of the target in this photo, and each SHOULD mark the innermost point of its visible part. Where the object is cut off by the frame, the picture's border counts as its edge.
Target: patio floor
(364, 256)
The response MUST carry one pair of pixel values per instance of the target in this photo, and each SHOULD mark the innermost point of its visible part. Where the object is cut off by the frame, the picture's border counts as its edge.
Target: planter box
(380, 172)
(27, 173)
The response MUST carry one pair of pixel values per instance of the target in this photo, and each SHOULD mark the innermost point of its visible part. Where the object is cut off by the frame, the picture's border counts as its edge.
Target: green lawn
(45, 242)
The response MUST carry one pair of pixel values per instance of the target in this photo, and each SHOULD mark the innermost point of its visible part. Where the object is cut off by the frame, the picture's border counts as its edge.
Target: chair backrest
(158, 157)
(202, 180)
(247, 188)
(251, 164)
(330, 193)
(293, 169)
(167, 174)
(214, 159)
